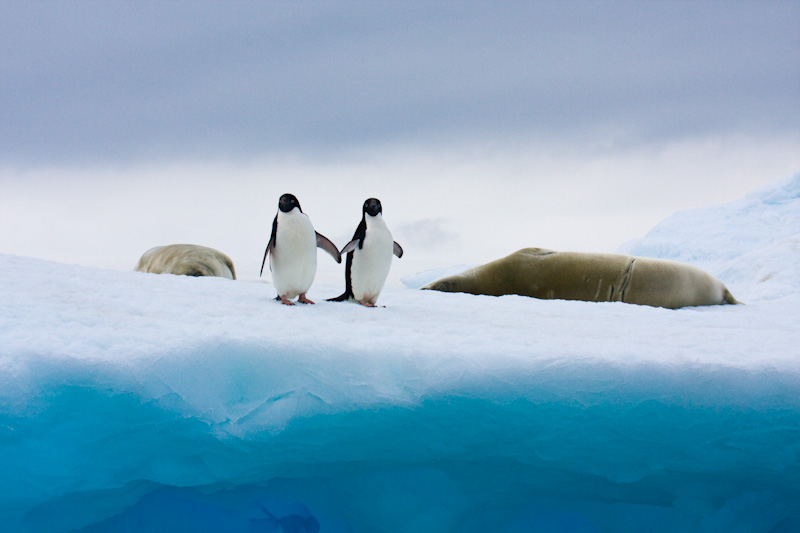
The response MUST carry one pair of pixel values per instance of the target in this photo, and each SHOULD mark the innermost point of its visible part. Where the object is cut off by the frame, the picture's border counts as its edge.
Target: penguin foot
(285, 301)
(304, 300)
(368, 304)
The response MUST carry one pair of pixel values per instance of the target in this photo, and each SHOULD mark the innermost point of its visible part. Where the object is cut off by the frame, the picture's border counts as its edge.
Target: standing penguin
(293, 246)
(369, 256)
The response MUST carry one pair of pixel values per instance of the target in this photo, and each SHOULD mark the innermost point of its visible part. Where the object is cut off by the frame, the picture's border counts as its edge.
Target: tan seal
(591, 277)
(186, 260)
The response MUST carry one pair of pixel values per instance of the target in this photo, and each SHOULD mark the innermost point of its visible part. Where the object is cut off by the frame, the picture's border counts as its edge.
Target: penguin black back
(360, 233)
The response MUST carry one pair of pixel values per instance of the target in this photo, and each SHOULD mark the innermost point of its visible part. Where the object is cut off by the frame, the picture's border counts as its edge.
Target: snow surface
(142, 402)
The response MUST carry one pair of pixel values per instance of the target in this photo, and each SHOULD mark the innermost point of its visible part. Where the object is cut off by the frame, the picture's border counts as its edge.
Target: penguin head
(372, 207)
(288, 202)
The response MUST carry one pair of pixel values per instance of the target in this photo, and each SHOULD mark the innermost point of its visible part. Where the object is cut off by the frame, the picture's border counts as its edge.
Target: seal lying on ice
(591, 277)
(186, 260)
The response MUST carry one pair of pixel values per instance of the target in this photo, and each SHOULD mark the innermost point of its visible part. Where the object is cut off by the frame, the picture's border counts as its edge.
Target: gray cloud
(122, 81)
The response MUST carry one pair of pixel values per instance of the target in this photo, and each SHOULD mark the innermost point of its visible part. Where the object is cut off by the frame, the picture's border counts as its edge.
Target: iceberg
(142, 402)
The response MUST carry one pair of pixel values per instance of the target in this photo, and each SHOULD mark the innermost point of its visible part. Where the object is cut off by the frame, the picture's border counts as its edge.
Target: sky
(482, 127)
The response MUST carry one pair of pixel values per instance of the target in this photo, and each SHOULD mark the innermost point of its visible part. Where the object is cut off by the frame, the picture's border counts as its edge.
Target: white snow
(141, 402)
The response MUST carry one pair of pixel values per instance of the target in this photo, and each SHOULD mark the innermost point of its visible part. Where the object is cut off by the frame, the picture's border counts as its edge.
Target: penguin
(369, 256)
(292, 251)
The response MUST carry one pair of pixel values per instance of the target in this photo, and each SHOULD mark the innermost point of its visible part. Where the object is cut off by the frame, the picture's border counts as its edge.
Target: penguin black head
(372, 207)
(288, 202)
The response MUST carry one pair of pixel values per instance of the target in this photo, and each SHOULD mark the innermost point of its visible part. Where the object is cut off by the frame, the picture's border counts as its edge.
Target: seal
(186, 260)
(591, 277)
(292, 251)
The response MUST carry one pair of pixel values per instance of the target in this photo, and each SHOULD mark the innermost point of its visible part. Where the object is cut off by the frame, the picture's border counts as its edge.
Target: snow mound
(752, 242)
(139, 402)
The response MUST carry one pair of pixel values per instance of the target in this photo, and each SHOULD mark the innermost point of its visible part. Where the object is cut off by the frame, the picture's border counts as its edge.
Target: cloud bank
(117, 81)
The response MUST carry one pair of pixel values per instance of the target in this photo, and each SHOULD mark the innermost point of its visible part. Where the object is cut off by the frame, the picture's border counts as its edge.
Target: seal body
(369, 256)
(547, 274)
(186, 260)
(292, 251)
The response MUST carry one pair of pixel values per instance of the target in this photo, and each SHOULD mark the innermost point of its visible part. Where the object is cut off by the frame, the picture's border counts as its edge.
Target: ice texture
(142, 402)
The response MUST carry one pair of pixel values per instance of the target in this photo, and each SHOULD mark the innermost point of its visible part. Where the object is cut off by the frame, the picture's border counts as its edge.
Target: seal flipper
(326, 244)
(398, 250)
(270, 244)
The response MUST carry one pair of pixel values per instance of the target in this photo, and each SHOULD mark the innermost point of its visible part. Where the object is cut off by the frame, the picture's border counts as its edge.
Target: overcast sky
(483, 125)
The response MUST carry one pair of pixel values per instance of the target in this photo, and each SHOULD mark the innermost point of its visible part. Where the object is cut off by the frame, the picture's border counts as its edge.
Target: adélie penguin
(292, 251)
(369, 256)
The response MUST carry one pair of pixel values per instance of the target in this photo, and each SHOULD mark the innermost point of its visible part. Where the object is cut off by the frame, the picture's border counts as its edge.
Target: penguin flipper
(270, 244)
(350, 246)
(398, 251)
(325, 243)
(265, 259)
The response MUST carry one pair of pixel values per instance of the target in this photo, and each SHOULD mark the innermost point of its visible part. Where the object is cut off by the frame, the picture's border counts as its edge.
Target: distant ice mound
(752, 244)
(419, 280)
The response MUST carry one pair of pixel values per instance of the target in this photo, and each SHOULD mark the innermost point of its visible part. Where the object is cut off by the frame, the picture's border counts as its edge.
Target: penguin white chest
(293, 260)
(371, 263)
